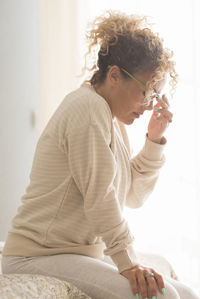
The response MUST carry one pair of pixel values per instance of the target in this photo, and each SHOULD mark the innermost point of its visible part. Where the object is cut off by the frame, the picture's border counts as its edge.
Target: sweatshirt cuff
(153, 151)
(125, 259)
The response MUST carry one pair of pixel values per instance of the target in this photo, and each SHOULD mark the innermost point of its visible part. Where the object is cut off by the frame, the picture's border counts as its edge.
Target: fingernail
(156, 109)
(155, 117)
(165, 95)
(163, 291)
(137, 296)
(159, 97)
(146, 298)
(154, 297)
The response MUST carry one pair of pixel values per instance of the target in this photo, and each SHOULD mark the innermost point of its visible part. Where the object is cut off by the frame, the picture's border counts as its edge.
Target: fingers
(163, 114)
(159, 281)
(152, 286)
(161, 108)
(167, 115)
(142, 283)
(134, 285)
(145, 281)
(147, 286)
(163, 102)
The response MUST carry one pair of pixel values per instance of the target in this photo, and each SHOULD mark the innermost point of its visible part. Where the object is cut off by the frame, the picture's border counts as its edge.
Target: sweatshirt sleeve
(93, 167)
(144, 172)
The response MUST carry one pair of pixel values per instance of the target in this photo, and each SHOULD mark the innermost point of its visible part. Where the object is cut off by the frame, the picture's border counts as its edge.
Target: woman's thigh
(184, 291)
(96, 278)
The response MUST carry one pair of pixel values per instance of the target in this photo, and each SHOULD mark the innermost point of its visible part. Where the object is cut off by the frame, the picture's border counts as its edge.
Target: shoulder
(80, 108)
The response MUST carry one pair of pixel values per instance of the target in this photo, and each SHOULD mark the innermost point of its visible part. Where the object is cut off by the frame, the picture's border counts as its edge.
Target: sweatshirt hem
(19, 245)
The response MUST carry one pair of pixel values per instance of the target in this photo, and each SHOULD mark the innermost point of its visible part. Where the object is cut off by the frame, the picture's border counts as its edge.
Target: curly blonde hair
(128, 42)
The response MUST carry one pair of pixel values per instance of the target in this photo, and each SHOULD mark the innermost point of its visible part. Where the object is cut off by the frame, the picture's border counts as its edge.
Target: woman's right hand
(145, 281)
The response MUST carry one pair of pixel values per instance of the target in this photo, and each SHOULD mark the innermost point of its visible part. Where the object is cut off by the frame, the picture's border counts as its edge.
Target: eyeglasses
(148, 98)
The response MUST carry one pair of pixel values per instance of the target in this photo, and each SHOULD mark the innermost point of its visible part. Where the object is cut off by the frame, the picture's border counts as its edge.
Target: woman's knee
(170, 292)
(183, 290)
(187, 293)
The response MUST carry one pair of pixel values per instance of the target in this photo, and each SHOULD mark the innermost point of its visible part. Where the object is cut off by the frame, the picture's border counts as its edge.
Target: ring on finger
(149, 275)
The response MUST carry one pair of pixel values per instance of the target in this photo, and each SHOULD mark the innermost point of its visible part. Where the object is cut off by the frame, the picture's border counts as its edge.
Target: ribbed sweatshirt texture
(82, 176)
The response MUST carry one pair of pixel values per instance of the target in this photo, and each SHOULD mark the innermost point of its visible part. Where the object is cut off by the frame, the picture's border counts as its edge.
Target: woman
(83, 173)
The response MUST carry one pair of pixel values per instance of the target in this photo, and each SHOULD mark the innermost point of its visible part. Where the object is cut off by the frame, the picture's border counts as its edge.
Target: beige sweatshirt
(81, 178)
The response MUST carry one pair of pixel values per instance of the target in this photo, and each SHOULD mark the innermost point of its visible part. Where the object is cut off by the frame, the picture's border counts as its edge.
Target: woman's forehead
(157, 86)
(160, 85)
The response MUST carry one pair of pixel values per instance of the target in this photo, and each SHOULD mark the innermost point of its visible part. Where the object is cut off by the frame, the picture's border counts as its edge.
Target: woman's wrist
(156, 140)
(160, 140)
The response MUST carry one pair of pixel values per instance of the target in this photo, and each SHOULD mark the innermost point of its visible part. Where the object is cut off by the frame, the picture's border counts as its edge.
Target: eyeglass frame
(153, 95)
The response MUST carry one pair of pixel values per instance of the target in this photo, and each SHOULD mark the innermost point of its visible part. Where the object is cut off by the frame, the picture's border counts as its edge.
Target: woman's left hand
(159, 120)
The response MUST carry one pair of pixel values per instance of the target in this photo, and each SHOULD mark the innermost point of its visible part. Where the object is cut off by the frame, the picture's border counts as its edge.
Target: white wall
(18, 99)
(59, 53)
(40, 57)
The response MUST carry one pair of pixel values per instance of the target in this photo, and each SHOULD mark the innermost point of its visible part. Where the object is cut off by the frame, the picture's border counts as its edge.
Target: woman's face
(126, 97)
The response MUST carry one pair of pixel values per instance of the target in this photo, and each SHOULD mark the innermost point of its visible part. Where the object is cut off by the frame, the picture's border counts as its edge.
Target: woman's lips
(136, 114)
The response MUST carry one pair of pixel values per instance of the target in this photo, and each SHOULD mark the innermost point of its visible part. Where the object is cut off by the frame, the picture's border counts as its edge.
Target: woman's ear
(114, 75)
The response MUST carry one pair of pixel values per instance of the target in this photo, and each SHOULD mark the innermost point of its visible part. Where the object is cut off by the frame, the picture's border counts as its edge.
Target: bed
(23, 286)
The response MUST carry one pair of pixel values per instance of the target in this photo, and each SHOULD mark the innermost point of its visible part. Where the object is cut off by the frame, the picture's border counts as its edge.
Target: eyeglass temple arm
(131, 76)
(143, 86)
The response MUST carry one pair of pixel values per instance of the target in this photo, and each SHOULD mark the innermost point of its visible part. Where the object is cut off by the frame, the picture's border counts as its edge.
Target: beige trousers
(99, 279)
